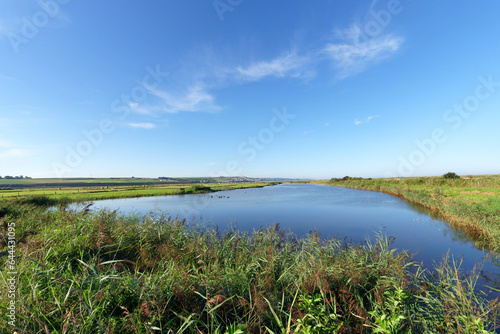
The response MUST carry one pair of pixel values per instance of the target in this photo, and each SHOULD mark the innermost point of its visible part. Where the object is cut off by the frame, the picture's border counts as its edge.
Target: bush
(451, 176)
(196, 188)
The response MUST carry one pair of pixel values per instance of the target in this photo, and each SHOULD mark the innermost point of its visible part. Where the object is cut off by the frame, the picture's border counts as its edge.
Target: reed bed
(100, 272)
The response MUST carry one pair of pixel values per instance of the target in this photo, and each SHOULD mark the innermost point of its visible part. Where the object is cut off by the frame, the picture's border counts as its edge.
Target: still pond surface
(301, 208)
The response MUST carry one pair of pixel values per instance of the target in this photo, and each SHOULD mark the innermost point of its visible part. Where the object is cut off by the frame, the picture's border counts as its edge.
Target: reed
(100, 272)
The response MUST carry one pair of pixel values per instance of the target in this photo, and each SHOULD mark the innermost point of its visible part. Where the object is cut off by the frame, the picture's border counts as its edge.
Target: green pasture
(78, 194)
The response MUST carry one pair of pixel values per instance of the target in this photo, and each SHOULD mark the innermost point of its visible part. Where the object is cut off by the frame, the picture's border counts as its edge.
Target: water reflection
(301, 208)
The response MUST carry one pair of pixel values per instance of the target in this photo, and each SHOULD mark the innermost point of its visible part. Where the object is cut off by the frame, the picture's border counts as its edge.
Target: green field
(114, 180)
(470, 203)
(97, 189)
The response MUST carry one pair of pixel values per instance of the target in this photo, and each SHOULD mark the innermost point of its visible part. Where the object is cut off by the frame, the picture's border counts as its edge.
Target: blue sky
(236, 87)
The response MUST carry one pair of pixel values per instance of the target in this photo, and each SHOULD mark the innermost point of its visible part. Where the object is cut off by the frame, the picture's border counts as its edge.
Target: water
(301, 208)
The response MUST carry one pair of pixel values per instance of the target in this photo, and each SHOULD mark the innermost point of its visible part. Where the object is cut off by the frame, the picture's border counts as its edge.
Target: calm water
(301, 208)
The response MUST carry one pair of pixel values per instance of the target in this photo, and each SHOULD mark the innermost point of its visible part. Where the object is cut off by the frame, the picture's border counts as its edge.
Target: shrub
(196, 188)
(451, 176)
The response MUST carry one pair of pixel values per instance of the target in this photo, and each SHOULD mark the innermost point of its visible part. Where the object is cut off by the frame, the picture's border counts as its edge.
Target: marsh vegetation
(99, 272)
(470, 203)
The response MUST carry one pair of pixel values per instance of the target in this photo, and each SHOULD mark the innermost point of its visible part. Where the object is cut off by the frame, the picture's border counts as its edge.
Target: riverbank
(89, 272)
(470, 203)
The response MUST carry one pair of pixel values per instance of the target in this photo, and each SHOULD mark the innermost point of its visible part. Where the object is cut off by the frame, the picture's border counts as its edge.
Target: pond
(302, 208)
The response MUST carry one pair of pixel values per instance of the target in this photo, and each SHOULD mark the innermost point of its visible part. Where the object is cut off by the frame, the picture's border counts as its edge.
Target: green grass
(83, 272)
(79, 194)
(471, 203)
(115, 180)
(69, 181)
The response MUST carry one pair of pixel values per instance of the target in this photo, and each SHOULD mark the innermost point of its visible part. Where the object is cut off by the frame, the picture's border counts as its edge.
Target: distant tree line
(8, 177)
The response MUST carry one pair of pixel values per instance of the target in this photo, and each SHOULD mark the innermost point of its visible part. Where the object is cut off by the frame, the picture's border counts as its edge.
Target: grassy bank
(83, 194)
(82, 272)
(470, 203)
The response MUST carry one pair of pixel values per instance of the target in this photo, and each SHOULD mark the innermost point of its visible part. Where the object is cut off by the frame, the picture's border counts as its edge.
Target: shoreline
(477, 217)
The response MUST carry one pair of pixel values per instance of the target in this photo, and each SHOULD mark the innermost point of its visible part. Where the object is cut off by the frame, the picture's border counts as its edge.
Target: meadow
(101, 272)
(83, 190)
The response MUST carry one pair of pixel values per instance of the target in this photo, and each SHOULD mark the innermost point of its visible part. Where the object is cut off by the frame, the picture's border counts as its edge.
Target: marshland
(249, 167)
(94, 268)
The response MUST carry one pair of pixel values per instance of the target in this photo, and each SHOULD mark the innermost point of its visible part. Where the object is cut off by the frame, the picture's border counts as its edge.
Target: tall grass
(83, 272)
(472, 181)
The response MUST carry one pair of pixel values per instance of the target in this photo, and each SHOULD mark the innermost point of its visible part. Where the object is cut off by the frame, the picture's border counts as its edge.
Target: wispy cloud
(289, 64)
(196, 99)
(137, 108)
(356, 52)
(211, 164)
(351, 54)
(366, 120)
(145, 125)
(199, 96)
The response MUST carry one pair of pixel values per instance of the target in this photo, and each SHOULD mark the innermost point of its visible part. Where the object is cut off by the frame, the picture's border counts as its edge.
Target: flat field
(96, 189)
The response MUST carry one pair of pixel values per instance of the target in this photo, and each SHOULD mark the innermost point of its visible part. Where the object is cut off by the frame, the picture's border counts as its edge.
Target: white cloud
(289, 64)
(351, 55)
(142, 125)
(195, 99)
(356, 52)
(135, 107)
(366, 120)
